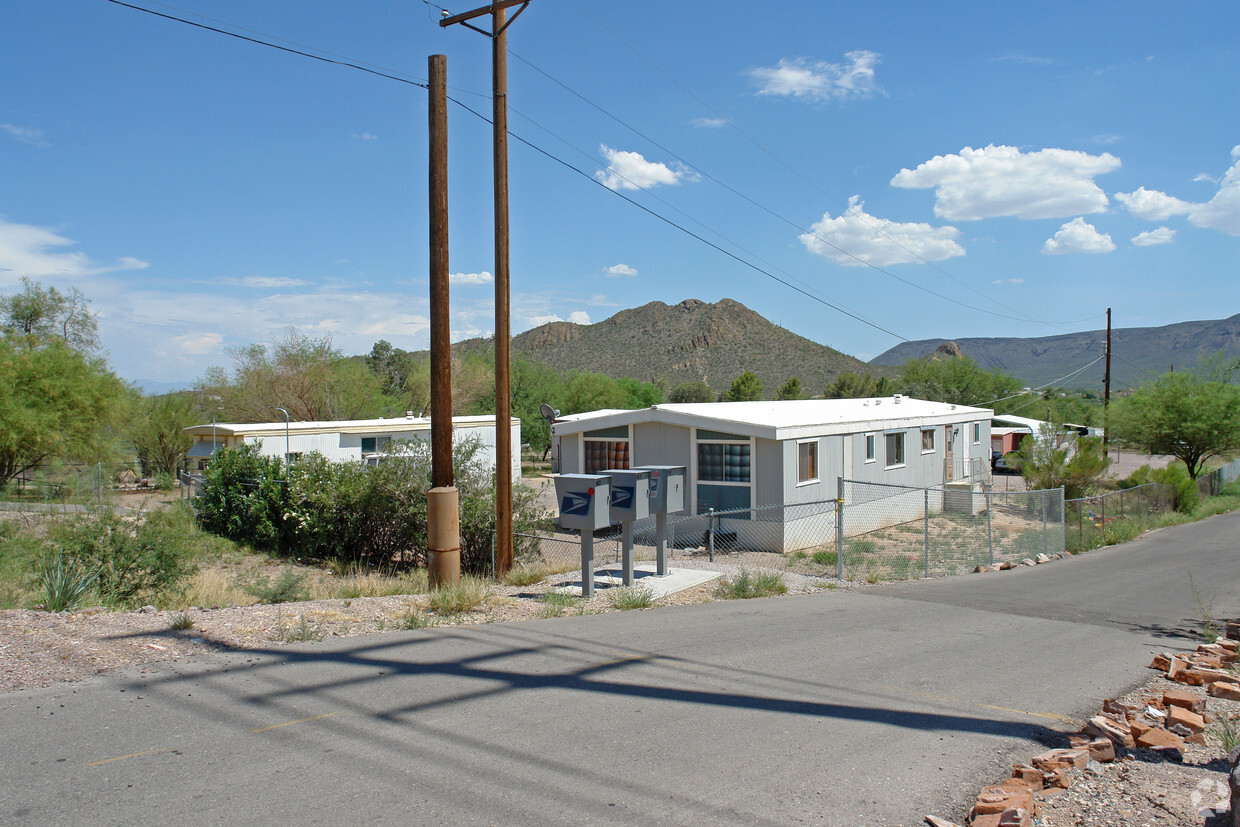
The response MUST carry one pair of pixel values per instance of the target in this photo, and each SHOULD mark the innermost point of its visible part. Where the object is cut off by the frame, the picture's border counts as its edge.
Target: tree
(745, 388)
(43, 314)
(307, 377)
(956, 380)
(640, 394)
(849, 385)
(691, 392)
(158, 431)
(1180, 414)
(791, 389)
(54, 403)
(588, 391)
(1054, 459)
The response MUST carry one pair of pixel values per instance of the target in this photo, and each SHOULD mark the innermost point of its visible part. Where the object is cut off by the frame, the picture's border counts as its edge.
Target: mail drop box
(630, 494)
(667, 488)
(584, 501)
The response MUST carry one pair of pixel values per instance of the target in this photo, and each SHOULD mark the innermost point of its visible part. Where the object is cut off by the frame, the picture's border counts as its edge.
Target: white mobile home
(746, 455)
(352, 440)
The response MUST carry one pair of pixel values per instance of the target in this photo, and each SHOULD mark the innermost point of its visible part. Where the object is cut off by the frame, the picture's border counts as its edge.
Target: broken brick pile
(1028, 561)
(1163, 725)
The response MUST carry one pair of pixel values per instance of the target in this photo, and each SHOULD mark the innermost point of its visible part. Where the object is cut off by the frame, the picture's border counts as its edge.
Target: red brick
(1159, 737)
(1185, 717)
(1185, 699)
(1101, 749)
(1225, 689)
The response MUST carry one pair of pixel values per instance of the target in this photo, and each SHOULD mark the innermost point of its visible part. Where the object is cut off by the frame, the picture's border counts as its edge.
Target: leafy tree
(1183, 415)
(1187, 498)
(307, 377)
(1054, 460)
(157, 431)
(43, 314)
(791, 389)
(849, 385)
(588, 391)
(691, 392)
(54, 402)
(745, 388)
(640, 394)
(956, 380)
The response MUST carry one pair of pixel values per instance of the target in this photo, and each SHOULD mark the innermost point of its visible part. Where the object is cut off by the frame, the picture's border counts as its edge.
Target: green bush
(243, 498)
(1176, 475)
(132, 559)
(287, 588)
(748, 584)
(64, 582)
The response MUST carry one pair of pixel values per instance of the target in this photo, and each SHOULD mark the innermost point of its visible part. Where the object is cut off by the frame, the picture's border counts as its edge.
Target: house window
(724, 471)
(606, 449)
(869, 447)
(977, 433)
(927, 441)
(895, 449)
(807, 462)
(375, 444)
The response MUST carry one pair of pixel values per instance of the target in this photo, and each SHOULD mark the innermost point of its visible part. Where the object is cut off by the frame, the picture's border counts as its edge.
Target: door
(948, 465)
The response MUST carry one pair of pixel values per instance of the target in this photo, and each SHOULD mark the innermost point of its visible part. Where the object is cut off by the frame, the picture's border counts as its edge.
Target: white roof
(403, 424)
(788, 419)
(1034, 425)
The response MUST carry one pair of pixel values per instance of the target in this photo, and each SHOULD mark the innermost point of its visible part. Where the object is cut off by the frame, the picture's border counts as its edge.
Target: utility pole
(443, 500)
(503, 337)
(1106, 388)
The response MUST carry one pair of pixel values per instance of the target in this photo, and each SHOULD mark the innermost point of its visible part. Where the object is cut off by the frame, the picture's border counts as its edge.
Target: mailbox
(667, 488)
(584, 501)
(630, 494)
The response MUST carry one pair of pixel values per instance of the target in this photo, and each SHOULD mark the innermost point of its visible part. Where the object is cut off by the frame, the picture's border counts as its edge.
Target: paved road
(859, 708)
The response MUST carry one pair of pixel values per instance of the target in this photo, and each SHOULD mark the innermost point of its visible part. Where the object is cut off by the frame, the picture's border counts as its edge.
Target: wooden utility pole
(443, 500)
(1106, 387)
(503, 345)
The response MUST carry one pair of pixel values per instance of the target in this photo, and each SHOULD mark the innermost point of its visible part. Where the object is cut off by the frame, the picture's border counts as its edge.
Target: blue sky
(947, 169)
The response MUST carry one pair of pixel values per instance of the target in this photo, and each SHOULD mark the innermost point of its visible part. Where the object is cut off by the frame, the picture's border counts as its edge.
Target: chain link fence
(1088, 517)
(1208, 485)
(892, 532)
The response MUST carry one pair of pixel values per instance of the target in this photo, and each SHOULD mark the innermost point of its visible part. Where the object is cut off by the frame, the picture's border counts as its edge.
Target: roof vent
(897, 398)
(408, 414)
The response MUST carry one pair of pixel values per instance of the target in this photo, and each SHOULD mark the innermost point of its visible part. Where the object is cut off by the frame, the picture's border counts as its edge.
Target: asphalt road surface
(860, 708)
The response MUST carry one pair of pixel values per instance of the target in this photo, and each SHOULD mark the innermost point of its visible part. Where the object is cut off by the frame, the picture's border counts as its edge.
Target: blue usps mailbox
(630, 501)
(667, 496)
(585, 505)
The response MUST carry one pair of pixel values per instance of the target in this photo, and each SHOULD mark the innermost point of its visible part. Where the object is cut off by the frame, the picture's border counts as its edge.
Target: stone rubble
(1162, 724)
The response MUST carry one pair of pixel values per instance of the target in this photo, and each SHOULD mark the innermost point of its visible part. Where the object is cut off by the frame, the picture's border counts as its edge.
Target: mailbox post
(584, 505)
(667, 496)
(630, 501)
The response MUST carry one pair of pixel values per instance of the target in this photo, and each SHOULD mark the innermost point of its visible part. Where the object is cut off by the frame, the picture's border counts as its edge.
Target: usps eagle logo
(622, 497)
(575, 504)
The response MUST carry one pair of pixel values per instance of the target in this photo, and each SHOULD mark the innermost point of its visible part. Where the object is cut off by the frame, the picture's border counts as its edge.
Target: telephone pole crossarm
(465, 17)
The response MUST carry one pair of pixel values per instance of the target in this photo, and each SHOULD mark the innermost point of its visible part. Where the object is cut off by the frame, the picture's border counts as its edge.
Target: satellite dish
(549, 413)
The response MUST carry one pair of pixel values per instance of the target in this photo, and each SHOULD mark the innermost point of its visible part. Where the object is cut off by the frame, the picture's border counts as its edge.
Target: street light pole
(281, 410)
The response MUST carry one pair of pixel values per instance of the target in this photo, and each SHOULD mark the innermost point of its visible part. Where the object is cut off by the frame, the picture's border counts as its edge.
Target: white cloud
(198, 344)
(365, 136)
(1152, 205)
(1003, 181)
(38, 252)
(1150, 238)
(1222, 212)
(630, 171)
(579, 317)
(538, 321)
(1078, 237)
(263, 282)
(709, 123)
(470, 279)
(600, 300)
(857, 238)
(817, 80)
(617, 270)
(25, 134)
(1008, 281)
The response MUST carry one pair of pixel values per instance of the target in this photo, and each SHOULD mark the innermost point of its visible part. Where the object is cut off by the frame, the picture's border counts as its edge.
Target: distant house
(746, 455)
(351, 440)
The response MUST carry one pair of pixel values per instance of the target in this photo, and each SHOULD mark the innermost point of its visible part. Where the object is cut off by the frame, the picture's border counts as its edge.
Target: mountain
(688, 342)
(1137, 353)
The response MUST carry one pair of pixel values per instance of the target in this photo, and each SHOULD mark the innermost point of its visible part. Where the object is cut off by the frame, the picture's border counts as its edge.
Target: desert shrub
(287, 588)
(132, 559)
(1176, 475)
(243, 498)
(746, 584)
(630, 597)
(465, 596)
(64, 582)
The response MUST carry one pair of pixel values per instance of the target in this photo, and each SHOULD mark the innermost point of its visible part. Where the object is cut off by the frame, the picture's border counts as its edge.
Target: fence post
(1045, 541)
(925, 522)
(1122, 513)
(990, 537)
(839, 529)
(710, 533)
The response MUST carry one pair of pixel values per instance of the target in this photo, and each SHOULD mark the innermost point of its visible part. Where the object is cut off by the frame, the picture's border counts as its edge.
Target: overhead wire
(805, 179)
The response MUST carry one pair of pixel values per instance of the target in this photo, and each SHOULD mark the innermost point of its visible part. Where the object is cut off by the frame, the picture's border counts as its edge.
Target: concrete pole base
(443, 536)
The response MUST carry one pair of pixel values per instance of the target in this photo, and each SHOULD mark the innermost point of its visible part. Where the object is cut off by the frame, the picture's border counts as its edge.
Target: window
(724, 471)
(375, 444)
(606, 449)
(869, 447)
(927, 440)
(807, 462)
(977, 433)
(895, 449)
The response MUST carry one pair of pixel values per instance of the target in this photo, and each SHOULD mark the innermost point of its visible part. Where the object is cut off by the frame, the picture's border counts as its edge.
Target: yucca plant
(64, 582)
